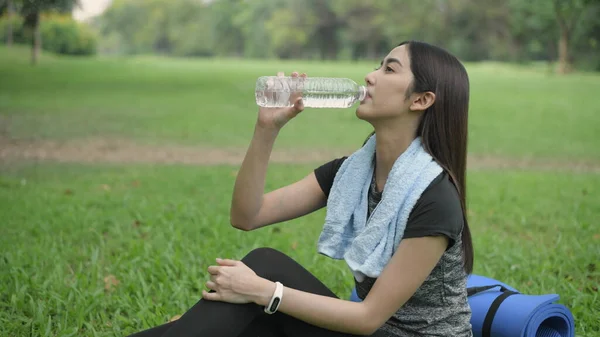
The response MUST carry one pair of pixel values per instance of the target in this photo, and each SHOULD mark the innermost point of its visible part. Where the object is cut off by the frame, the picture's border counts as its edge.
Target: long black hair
(443, 126)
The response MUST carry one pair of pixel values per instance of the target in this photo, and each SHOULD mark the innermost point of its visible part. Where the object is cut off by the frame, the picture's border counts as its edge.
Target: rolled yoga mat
(499, 310)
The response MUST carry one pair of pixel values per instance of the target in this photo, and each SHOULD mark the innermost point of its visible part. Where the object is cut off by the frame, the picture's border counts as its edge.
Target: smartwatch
(273, 305)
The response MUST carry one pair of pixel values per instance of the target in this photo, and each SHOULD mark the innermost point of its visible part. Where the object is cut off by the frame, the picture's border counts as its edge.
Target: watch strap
(273, 305)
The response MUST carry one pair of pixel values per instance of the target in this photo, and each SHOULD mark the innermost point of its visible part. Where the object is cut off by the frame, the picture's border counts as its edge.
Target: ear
(422, 101)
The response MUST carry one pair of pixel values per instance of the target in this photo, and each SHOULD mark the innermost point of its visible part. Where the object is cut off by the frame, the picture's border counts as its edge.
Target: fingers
(211, 285)
(294, 74)
(299, 105)
(297, 87)
(211, 296)
(227, 262)
(213, 270)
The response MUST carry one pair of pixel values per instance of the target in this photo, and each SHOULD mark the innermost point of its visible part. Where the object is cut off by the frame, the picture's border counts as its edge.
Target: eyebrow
(392, 60)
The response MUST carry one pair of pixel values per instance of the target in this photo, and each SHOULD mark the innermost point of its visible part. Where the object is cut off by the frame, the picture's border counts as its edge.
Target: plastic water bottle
(317, 92)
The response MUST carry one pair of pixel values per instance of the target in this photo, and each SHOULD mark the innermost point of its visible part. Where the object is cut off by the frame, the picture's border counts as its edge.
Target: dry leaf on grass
(110, 282)
(174, 318)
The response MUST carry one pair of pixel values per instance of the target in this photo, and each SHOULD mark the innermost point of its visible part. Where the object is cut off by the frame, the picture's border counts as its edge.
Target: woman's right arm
(250, 207)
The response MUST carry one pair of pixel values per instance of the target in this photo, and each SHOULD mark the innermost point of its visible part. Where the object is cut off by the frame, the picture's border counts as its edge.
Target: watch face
(274, 305)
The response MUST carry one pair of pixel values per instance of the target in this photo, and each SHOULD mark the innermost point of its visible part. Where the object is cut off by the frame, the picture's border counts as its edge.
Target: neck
(393, 138)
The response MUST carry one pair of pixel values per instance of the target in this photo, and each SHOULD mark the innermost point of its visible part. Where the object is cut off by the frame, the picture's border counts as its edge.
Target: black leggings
(220, 319)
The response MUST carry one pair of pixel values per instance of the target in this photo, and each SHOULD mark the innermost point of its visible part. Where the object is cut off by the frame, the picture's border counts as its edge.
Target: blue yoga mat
(518, 315)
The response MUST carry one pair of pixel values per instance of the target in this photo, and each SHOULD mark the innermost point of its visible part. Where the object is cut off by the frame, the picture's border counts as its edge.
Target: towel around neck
(367, 245)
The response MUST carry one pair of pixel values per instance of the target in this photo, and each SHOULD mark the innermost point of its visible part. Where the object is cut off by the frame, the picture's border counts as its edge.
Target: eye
(389, 69)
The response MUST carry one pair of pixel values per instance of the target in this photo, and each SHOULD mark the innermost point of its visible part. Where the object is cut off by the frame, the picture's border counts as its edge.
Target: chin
(366, 113)
(363, 112)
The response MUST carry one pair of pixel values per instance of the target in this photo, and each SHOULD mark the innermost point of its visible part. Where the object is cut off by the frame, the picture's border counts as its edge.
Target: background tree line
(567, 31)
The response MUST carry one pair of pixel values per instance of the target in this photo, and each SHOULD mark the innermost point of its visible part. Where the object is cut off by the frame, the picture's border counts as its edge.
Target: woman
(395, 213)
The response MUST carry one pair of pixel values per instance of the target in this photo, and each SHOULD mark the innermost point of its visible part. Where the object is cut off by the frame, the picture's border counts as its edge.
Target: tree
(290, 29)
(324, 36)
(426, 20)
(474, 30)
(179, 28)
(224, 30)
(9, 28)
(567, 14)
(250, 18)
(31, 10)
(364, 23)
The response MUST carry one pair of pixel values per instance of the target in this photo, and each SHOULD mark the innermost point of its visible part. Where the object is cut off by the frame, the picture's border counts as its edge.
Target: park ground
(116, 177)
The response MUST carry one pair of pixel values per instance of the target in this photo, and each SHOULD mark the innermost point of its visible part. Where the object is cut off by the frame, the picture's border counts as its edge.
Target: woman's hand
(276, 118)
(233, 282)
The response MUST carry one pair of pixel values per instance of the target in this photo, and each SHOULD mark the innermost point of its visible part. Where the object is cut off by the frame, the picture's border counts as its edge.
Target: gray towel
(368, 244)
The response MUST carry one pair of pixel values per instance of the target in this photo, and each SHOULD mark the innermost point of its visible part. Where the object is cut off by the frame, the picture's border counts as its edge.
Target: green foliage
(287, 40)
(60, 34)
(19, 35)
(63, 35)
(224, 28)
(249, 18)
(176, 28)
(503, 30)
(61, 6)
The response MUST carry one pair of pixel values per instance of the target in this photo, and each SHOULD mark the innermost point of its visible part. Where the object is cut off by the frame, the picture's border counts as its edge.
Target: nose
(370, 78)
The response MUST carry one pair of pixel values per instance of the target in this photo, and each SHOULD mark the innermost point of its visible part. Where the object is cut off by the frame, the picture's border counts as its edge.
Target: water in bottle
(317, 92)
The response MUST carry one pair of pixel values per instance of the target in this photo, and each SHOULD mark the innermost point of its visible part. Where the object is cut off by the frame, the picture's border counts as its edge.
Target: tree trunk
(551, 55)
(9, 27)
(564, 63)
(372, 49)
(328, 43)
(332, 46)
(36, 45)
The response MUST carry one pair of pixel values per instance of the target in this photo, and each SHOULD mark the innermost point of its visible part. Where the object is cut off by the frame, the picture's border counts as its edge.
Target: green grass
(66, 227)
(156, 229)
(515, 111)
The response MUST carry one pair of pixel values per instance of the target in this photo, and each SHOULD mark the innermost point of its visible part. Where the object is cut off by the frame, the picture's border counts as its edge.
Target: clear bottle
(317, 92)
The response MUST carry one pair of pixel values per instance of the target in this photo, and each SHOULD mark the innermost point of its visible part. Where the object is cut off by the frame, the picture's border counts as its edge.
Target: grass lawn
(103, 250)
(155, 230)
(515, 111)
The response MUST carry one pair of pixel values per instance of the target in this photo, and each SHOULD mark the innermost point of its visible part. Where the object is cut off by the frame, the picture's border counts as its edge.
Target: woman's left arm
(408, 268)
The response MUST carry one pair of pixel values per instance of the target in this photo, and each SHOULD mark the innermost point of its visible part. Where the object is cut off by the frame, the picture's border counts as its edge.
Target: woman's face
(387, 87)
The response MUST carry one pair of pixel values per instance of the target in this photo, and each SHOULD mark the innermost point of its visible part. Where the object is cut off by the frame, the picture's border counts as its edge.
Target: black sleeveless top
(439, 307)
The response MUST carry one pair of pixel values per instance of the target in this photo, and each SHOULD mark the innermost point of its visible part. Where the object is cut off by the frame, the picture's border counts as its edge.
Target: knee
(261, 255)
(264, 261)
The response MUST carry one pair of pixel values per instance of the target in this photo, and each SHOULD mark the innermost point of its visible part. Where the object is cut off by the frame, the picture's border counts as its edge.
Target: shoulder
(326, 173)
(437, 212)
(441, 193)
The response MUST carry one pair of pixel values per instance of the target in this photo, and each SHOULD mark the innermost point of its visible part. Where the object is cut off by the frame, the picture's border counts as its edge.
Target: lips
(366, 99)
